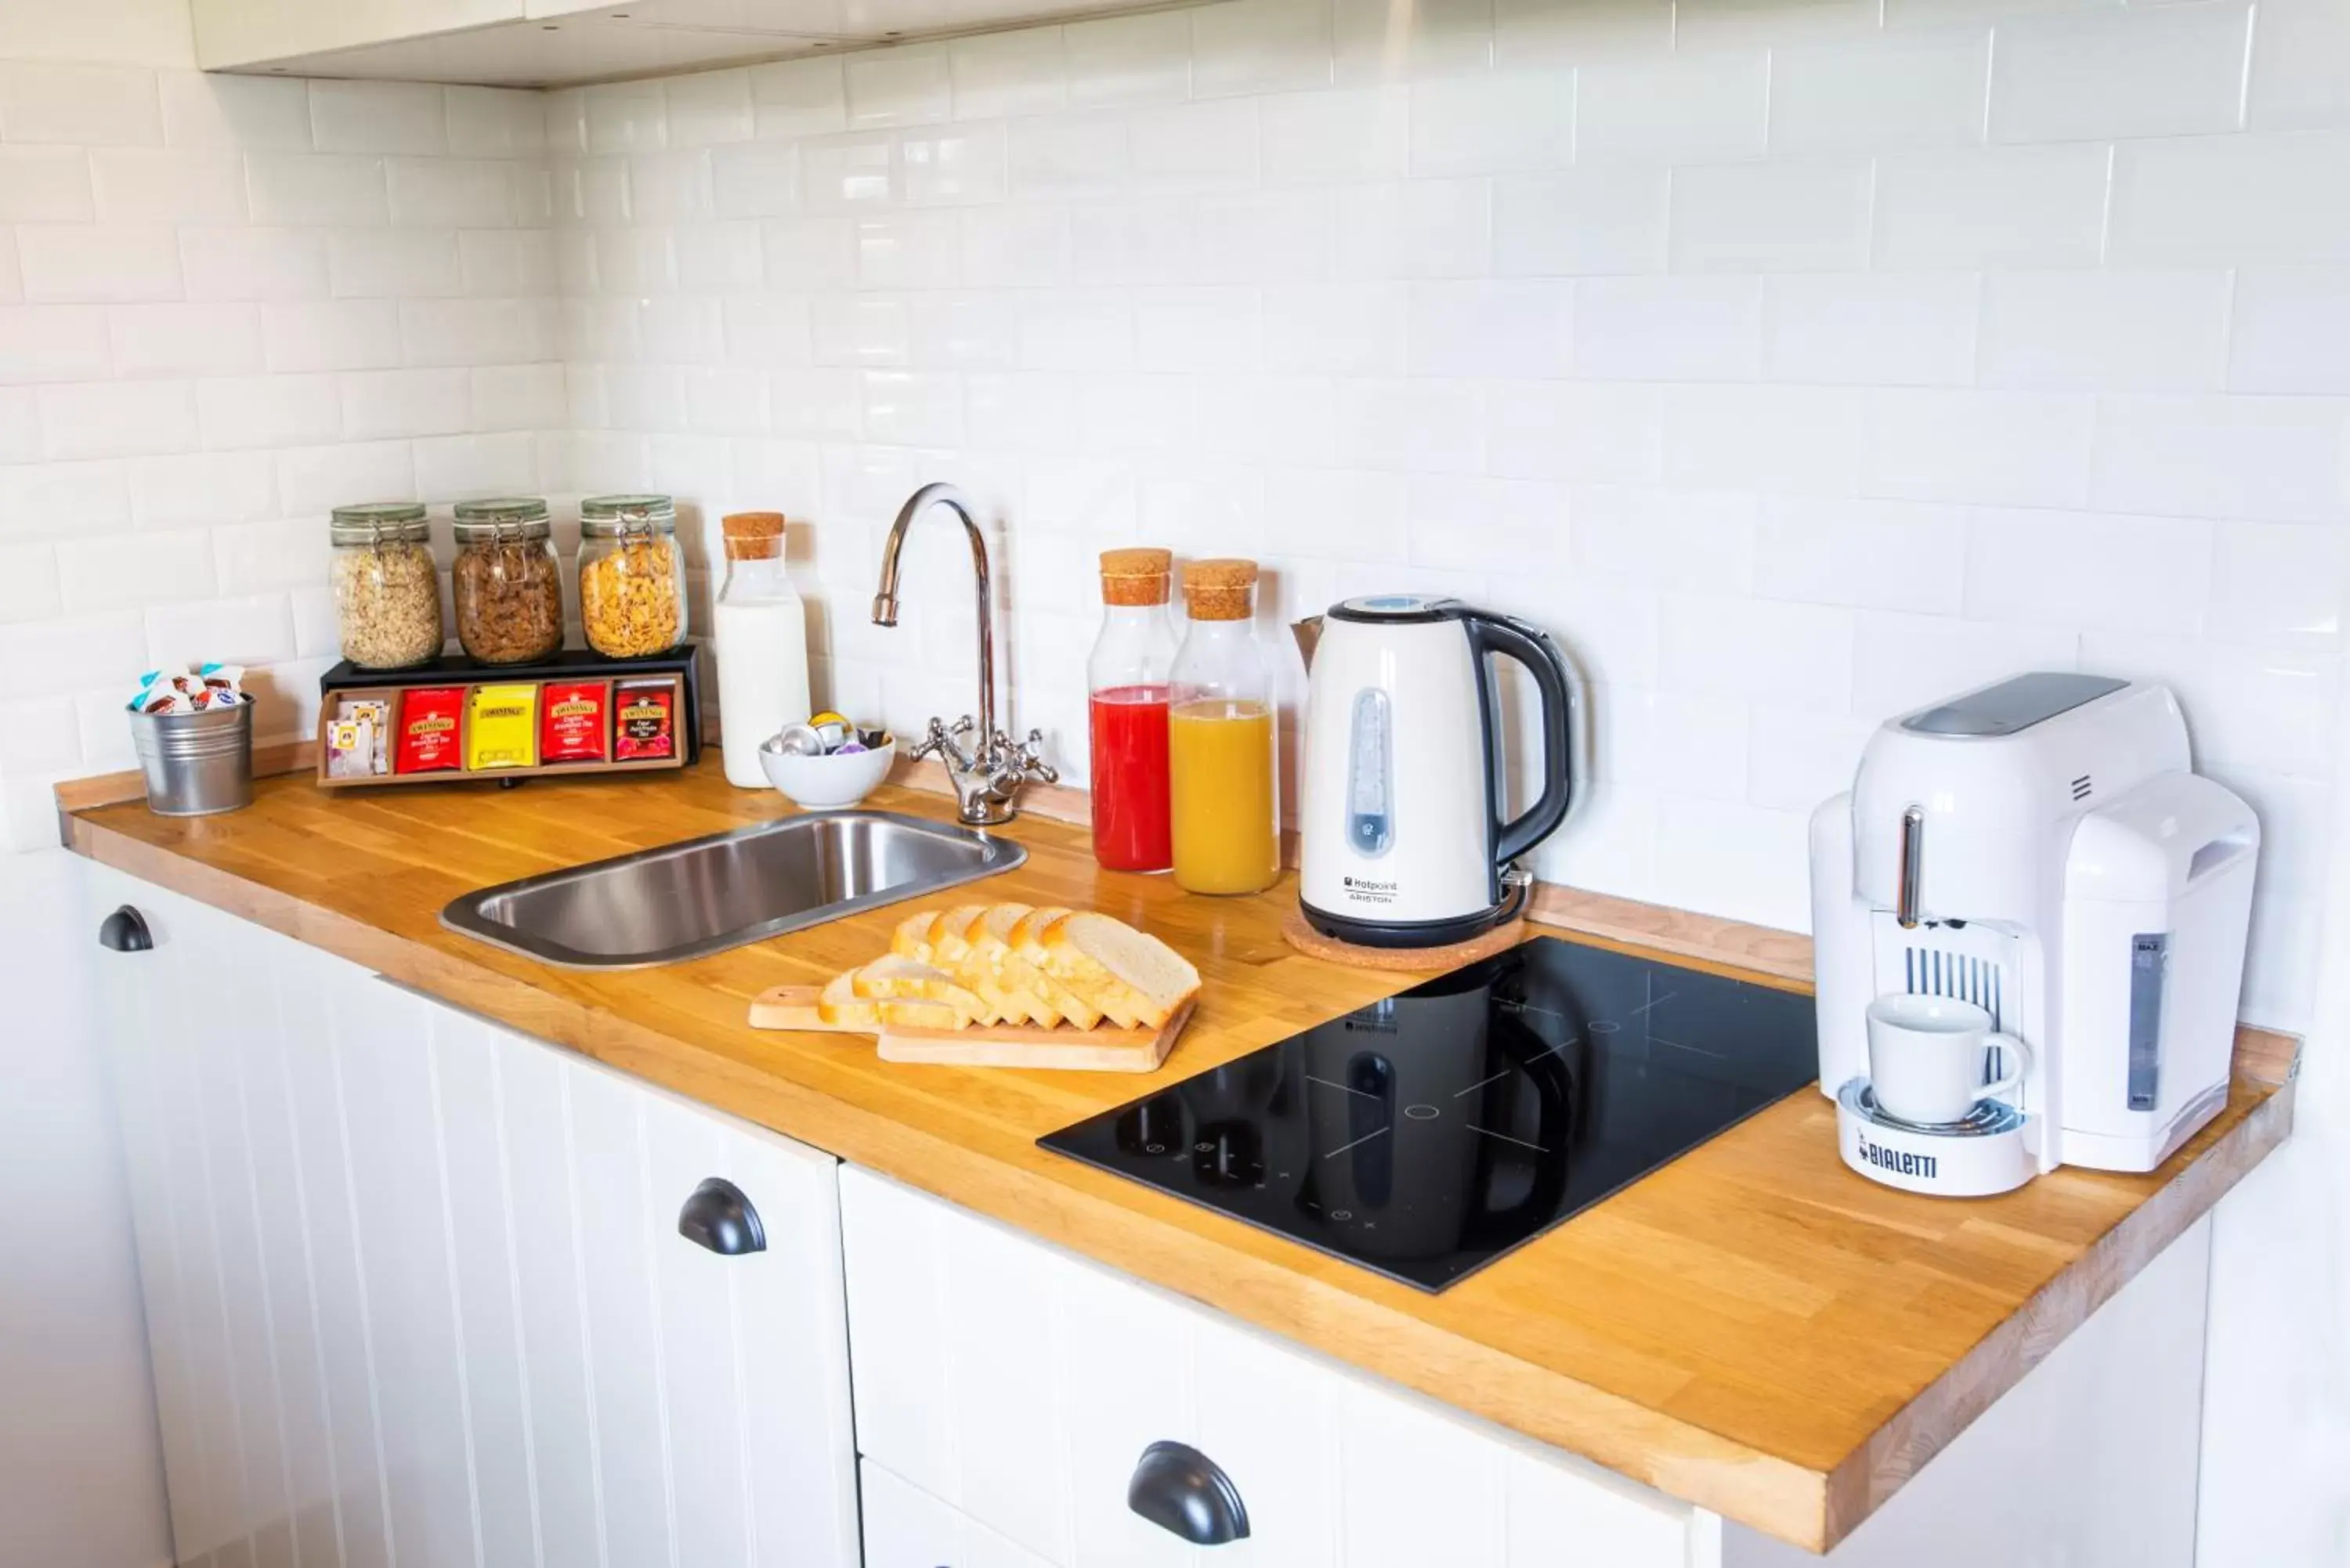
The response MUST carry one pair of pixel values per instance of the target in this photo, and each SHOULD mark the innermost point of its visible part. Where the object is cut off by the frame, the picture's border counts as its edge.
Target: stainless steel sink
(690, 899)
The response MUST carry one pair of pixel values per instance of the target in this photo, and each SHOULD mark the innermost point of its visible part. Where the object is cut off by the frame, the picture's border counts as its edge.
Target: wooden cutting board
(1100, 1050)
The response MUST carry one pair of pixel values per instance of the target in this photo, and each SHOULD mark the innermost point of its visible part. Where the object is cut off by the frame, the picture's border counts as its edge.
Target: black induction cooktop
(1430, 1133)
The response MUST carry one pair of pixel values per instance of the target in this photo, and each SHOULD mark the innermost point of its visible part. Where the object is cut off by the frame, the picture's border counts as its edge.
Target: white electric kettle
(1400, 836)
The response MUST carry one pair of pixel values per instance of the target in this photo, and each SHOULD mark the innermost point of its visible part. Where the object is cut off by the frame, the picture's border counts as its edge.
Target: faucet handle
(940, 741)
(1030, 759)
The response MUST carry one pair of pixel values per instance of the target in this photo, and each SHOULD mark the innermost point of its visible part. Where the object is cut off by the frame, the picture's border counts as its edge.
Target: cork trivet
(1135, 577)
(752, 535)
(1416, 961)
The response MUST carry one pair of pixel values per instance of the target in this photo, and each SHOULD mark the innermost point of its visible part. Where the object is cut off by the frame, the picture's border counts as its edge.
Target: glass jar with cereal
(387, 590)
(508, 586)
(632, 575)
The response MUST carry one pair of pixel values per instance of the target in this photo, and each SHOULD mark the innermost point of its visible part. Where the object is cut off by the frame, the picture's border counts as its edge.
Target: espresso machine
(2041, 847)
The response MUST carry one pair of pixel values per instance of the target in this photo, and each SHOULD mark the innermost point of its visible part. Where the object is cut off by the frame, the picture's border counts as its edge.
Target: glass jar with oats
(387, 590)
(507, 583)
(632, 575)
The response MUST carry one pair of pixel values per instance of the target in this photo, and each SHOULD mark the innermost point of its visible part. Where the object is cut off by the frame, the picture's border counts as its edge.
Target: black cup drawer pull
(125, 931)
(720, 1218)
(1182, 1491)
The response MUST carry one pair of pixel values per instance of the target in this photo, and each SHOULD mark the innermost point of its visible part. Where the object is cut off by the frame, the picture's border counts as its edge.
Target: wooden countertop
(1753, 1328)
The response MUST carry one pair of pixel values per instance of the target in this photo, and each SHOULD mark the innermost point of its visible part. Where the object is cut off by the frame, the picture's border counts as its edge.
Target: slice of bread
(958, 940)
(1076, 972)
(900, 979)
(912, 938)
(1082, 943)
(1007, 926)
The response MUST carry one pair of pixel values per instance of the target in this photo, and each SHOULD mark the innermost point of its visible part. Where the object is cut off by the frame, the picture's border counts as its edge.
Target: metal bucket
(196, 763)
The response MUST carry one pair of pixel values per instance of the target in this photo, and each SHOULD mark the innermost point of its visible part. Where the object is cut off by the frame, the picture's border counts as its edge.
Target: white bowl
(826, 784)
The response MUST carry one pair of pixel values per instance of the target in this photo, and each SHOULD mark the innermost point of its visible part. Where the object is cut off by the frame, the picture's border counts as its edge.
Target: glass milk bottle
(1127, 678)
(761, 634)
(1223, 792)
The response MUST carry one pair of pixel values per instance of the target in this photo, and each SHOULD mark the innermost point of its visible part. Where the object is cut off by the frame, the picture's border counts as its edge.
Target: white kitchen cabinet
(415, 1292)
(554, 42)
(1016, 1387)
(906, 1527)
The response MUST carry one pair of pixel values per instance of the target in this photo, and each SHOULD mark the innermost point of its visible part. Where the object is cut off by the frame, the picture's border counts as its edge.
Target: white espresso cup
(1927, 1057)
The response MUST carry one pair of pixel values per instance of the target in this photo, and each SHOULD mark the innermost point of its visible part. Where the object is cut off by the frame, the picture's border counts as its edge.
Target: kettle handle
(1533, 648)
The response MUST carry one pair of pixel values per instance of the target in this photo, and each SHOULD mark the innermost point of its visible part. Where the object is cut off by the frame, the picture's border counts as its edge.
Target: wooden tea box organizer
(678, 667)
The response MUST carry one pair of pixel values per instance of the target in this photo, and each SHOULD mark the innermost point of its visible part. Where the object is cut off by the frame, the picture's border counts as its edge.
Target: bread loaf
(1010, 963)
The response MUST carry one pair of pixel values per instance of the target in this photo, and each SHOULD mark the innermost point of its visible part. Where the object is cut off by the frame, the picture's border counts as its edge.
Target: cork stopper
(752, 535)
(1137, 576)
(1220, 588)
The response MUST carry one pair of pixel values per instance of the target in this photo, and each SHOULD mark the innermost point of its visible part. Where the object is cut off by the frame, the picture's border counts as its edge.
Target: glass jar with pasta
(387, 589)
(507, 583)
(632, 575)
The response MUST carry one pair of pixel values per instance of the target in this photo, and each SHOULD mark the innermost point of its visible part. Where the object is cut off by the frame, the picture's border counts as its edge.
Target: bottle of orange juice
(1222, 794)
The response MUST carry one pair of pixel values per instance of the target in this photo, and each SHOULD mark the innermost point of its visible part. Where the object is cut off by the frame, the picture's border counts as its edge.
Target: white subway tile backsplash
(2156, 71)
(2289, 330)
(1871, 328)
(1689, 106)
(1420, 228)
(1378, 42)
(809, 252)
(1868, 555)
(1796, 760)
(12, 282)
(1902, 90)
(167, 186)
(717, 258)
(1269, 418)
(515, 261)
(1062, 156)
(197, 489)
(1667, 329)
(493, 122)
(130, 571)
(912, 407)
(1553, 429)
(909, 250)
(255, 630)
(471, 192)
(1584, 221)
(185, 339)
(798, 97)
(1280, 237)
(20, 425)
(1803, 440)
(475, 331)
(53, 343)
(254, 264)
(44, 185)
(1719, 857)
(2019, 449)
(1457, 522)
(1203, 329)
(1759, 650)
(2228, 200)
(2094, 571)
(724, 399)
(249, 114)
(2267, 459)
(2279, 585)
(269, 410)
(900, 86)
(2301, 64)
(471, 467)
(1090, 330)
(1344, 329)
(1487, 327)
(329, 335)
(1488, 123)
(754, 180)
(628, 117)
(2029, 206)
(1314, 138)
(309, 188)
(79, 105)
(1260, 46)
(954, 167)
(1793, 217)
(1011, 246)
(314, 480)
(1191, 147)
(958, 331)
(393, 262)
(1411, 426)
(1674, 540)
(2106, 330)
(709, 107)
(1130, 59)
(254, 557)
(116, 263)
(518, 397)
(1005, 74)
(378, 117)
(90, 497)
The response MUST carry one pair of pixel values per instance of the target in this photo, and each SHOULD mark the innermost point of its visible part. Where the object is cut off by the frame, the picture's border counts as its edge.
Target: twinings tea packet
(502, 728)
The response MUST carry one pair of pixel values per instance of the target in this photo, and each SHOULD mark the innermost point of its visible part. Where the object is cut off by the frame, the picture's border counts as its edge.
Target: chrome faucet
(988, 777)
